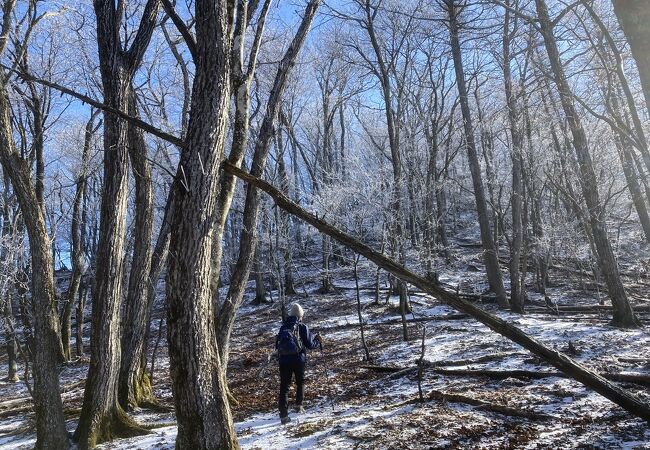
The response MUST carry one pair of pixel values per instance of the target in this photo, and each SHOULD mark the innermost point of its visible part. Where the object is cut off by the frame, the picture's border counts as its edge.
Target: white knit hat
(296, 310)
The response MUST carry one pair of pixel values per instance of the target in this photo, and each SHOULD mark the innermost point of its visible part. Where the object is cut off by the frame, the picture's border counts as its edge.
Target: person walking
(291, 344)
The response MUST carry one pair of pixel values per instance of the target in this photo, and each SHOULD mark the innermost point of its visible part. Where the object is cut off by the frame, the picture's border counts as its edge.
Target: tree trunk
(559, 360)
(284, 229)
(627, 163)
(11, 343)
(158, 259)
(79, 264)
(50, 423)
(260, 291)
(79, 318)
(134, 388)
(102, 417)
(197, 372)
(634, 17)
(361, 330)
(392, 119)
(516, 152)
(495, 278)
(248, 238)
(623, 315)
(486, 139)
(241, 81)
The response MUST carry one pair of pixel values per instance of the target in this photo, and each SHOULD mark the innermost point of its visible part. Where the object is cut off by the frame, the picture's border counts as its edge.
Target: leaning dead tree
(561, 361)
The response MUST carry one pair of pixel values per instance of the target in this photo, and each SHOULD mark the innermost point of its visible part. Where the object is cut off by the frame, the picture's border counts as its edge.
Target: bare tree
(50, 422)
(623, 314)
(490, 256)
(79, 263)
(517, 293)
(248, 239)
(101, 414)
(134, 388)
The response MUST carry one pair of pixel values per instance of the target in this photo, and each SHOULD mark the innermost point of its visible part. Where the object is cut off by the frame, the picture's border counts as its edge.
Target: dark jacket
(307, 337)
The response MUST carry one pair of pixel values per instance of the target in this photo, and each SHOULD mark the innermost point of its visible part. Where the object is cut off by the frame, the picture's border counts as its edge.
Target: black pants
(286, 372)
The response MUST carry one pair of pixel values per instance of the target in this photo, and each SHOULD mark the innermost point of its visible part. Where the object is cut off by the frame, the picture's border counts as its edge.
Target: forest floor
(353, 403)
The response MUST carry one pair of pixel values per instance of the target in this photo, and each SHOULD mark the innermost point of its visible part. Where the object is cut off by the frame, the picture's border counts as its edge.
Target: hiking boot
(299, 409)
(285, 420)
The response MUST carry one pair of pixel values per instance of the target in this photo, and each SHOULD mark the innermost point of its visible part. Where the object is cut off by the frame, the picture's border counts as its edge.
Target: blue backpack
(288, 341)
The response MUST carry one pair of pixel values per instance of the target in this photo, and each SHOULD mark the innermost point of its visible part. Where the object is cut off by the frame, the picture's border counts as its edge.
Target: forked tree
(102, 417)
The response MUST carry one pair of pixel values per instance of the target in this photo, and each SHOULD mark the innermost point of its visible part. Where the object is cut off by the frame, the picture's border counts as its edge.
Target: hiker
(291, 344)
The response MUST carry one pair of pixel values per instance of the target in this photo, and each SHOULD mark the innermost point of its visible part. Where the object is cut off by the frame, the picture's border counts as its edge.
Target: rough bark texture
(634, 17)
(158, 260)
(198, 376)
(134, 388)
(559, 360)
(623, 315)
(50, 423)
(489, 248)
(102, 417)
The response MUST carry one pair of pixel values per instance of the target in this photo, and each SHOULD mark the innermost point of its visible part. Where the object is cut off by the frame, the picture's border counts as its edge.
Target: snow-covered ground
(352, 405)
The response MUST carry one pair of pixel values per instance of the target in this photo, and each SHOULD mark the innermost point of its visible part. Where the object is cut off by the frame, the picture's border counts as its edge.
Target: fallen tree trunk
(587, 309)
(452, 397)
(477, 360)
(635, 378)
(538, 375)
(487, 406)
(561, 361)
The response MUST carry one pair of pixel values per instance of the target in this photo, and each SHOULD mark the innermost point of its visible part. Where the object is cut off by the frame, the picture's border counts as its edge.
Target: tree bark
(134, 388)
(284, 224)
(241, 82)
(197, 372)
(248, 238)
(634, 18)
(50, 423)
(11, 344)
(490, 256)
(102, 417)
(559, 360)
(79, 318)
(623, 314)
